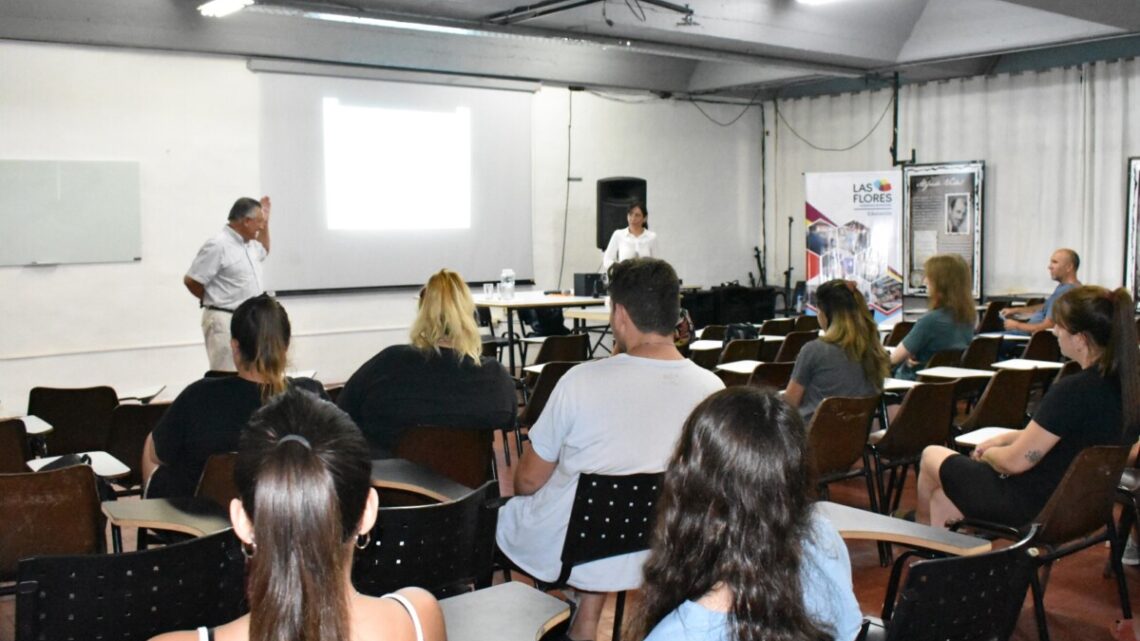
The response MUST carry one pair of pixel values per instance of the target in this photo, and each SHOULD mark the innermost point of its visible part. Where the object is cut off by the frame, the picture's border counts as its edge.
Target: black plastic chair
(612, 516)
(444, 548)
(80, 417)
(135, 595)
(968, 598)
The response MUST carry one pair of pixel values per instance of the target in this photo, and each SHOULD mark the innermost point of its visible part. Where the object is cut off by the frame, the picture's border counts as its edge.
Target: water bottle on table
(507, 284)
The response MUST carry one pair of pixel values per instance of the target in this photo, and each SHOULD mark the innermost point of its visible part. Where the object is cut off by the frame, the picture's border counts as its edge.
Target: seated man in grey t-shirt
(1063, 266)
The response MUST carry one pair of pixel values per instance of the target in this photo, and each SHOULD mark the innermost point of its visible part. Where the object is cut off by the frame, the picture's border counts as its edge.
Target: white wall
(192, 123)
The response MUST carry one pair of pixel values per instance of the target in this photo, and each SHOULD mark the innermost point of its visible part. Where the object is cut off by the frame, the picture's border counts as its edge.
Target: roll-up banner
(854, 232)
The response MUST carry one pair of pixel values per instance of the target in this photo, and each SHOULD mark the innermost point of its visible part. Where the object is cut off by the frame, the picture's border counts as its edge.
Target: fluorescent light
(220, 8)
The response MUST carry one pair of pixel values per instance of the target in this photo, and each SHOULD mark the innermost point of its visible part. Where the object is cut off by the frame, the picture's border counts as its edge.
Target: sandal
(1124, 630)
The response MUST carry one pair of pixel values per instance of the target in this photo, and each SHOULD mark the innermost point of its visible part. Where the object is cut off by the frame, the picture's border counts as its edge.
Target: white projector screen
(377, 183)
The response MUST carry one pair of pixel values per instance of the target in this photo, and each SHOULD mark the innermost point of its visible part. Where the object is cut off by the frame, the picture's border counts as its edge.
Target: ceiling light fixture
(815, 2)
(221, 8)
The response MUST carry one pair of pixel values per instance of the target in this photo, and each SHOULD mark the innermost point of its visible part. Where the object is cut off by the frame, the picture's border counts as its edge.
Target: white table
(739, 367)
(972, 439)
(857, 524)
(700, 346)
(1006, 336)
(898, 385)
(102, 463)
(35, 426)
(531, 299)
(143, 395)
(510, 611)
(954, 372)
(1024, 364)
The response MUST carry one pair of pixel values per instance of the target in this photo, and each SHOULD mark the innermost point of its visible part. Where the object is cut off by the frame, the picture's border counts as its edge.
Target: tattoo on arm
(1033, 456)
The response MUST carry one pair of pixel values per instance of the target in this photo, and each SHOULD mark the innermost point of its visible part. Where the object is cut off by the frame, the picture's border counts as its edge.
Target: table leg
(116, 539)
(511, 340)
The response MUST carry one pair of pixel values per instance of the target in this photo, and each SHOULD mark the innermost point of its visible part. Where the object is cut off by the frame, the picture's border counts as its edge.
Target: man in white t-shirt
(227, 272)
(620, 415)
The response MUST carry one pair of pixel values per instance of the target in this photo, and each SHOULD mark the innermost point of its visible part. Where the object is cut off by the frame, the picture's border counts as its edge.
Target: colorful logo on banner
(854, 233)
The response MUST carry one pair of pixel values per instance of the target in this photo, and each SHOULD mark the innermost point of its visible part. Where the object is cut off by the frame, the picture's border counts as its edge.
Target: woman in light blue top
(739, 553)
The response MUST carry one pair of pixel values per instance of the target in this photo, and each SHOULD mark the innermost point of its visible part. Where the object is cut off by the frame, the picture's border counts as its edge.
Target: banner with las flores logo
(854, 232)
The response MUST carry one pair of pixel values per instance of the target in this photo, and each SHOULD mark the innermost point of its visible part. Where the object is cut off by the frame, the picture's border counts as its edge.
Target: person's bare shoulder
(389, 621)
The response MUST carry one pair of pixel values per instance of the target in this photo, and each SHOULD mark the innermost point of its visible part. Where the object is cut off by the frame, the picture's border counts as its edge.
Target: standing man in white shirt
(227, 271)
(635, 241)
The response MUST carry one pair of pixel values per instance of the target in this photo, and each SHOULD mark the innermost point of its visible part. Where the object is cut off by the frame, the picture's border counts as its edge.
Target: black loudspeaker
(615, 195)
(589, 285)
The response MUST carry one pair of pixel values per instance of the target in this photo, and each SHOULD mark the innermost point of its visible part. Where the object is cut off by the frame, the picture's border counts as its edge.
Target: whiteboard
(54, 212)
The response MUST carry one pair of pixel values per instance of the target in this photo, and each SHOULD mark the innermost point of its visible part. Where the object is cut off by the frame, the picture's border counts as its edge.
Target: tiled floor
(1081, 602)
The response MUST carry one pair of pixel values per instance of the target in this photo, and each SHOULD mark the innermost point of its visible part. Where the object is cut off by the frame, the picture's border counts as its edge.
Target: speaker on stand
(615, 195)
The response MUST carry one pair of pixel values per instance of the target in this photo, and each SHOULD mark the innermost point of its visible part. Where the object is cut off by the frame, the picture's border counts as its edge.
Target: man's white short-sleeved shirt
(620, 415)
(229, 268)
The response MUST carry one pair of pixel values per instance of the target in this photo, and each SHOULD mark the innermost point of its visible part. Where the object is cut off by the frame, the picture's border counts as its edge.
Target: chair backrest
(217, 480)
(1042, 346)
(965, 598)
(1003, 402)
(462, 455)
(742, 349)
(923, 419)
(991, 320)
(713, 332)
(945, 358)
(14, 448)
(774, 375)
(793, 343)
(134, 595)
(54, 512)
(552, 372)
(441, 547)
(1068, 369)
(80, 417)
(1083, 500)
(898, 333)
(806, 323)
(981, 352)
(777, 327)
(838, 433)
(130, 425)
(612, 515)
(572, 347)
(334, 390)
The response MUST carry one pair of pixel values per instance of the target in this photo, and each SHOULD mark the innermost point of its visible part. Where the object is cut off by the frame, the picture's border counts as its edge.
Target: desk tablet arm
(988, 529)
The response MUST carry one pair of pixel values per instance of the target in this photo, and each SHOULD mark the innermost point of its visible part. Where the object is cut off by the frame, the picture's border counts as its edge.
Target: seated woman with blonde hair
(304, 478)
(950, 322)
(440, 379)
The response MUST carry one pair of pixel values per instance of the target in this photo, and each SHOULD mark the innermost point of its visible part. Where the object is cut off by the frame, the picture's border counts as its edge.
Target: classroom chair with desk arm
(134, 595)
(445, 548)
(130, 425)
(837, 438)
(1003, 402)
(611, 516)
(54, 512)
(80, 417)
(1077, 516)
(15, 450)
(463, 455)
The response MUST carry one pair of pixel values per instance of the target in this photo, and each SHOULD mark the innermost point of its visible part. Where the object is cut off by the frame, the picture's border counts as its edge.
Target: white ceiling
(735, 47)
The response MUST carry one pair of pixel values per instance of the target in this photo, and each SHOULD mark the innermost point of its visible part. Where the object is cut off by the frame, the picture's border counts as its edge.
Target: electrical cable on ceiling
(751, 103)
(639, 13)
(809, 143)
(628, 101)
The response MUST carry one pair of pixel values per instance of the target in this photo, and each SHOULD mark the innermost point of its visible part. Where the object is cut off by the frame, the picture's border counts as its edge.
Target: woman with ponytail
(209, 415)
(848, 360)
(303, 474)
(738, 552)
(1009, 478)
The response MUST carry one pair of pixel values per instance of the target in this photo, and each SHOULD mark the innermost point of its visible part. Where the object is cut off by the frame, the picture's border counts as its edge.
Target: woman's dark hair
(851, 328)
(637, 204)
(261, 328)
(1106, 318)
(305, 496)
(735, 509)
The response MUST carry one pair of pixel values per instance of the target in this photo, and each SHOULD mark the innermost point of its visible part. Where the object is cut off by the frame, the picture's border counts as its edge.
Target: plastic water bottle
(800, 304)
(507, 284)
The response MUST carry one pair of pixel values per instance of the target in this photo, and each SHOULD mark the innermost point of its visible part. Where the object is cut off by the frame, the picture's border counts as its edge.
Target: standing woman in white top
(635, 241)
(303, 476)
